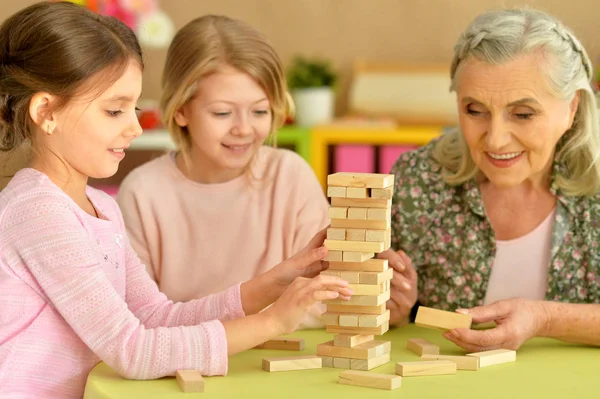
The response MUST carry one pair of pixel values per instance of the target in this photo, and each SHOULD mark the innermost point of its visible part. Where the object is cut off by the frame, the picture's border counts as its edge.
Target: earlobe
(180, 118)
(40, 111)
(573, 107)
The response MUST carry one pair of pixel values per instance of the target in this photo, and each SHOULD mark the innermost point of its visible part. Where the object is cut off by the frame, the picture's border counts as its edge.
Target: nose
(242, 126)
(498, 135)
(135, 130)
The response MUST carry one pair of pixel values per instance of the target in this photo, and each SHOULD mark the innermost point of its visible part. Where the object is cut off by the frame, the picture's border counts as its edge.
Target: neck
(201, 170)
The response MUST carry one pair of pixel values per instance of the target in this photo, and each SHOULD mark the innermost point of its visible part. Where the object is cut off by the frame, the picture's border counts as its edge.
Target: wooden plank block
(342, 308)
(368, 364)
(357, 213)
(190, 380)
(351, 256)
(358, 192)
(370, 380)
(292, 363)
(335, 212)
(462, 362)
(493, 357)
(378, 214)
(367, 180)
(361, 224)
(370, 320)
(331, 318)
(366, 289)
(355, 234)
(375, 278)
(422, 347)
(354, 246)
(430, 367)
(341, 363)
(382, 193)
(380, 330)
(334, 256)
(441, 319)
(362, 202)
(287, 344)
(351, 340)
(362, 300)
(336, 234)
(366, 350)
(336, 192)
(327, 361)
(351, 277)
(335, 273)
(348, 320)
(370, 265)
(377, 235)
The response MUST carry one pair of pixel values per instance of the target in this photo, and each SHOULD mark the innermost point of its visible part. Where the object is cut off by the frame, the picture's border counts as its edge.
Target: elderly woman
(501, 218)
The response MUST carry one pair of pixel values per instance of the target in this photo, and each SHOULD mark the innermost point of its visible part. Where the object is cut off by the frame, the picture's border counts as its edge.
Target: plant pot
(314, 105)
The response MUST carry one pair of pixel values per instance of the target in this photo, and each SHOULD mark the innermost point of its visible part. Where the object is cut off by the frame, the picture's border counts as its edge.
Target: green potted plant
(311, 83)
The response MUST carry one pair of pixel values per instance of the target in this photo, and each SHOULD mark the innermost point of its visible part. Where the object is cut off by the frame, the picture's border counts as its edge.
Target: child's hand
(293, 305)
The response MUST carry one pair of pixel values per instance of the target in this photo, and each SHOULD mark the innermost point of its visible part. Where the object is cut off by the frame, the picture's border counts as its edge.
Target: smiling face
(228, 119)
(510, 119)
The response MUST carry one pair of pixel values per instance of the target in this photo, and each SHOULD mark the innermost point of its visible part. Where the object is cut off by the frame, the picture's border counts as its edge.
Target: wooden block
(370, 265)
(387, 242)
(190, 380)
(380, 330)
(335, 212)
(370, 380)
(327, 361)
(351, 340)
(348, 320)
(351, 256)
(354, 246)
(356, 309)
(377, 235)
(331, 318)
(362, 202)
(335, 273)
(493, 357)
(422, 347)
(336, 234)
(358, 192)
(361, 224)
(371, 320)
(366, 350)
(366, 289)
(355, 234)
(368, 364)
(362, 300)
(351, 277)
(368, 180)
(292, 363)
(378, 214)
(287, 344)
(431, 367)
(336, 192)
(382, 193)
(357, 213)
(441, 319)
(341, 363)
(375, 278)
(334, 256)
(462, 362)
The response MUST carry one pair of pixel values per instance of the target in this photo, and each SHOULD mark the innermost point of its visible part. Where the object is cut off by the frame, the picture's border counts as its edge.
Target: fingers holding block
(441, 319)
(190, 380)
(370, 380)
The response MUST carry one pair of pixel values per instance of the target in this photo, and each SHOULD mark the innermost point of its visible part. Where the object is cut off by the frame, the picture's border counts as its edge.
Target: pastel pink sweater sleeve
(60, 256)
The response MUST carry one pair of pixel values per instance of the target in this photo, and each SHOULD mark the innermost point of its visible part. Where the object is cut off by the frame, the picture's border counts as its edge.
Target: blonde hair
(203, 46)
(499, 36)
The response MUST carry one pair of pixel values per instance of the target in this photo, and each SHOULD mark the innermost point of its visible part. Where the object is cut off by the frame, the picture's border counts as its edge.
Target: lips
(504, 156)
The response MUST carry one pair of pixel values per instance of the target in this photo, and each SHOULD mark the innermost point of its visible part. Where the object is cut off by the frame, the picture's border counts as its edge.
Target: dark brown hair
(56, 47)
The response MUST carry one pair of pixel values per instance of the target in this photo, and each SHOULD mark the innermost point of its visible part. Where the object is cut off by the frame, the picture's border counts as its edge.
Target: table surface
(545, 368)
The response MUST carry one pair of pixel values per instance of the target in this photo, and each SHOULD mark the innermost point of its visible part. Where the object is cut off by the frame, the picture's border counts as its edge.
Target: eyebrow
(232, 102)
(521, 101)
(118, 97)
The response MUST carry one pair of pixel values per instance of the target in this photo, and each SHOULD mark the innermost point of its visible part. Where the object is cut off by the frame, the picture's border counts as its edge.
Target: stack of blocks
(360, 216)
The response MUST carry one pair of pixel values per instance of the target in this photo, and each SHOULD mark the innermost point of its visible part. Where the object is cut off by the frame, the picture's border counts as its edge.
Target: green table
(298, 138)
(544, 368)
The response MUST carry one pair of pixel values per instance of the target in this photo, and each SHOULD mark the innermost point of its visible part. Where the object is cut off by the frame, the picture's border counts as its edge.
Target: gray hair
(497, 37)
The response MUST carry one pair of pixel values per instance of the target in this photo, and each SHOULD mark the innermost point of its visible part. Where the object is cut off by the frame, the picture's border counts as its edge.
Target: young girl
(72, 290)
(223, 208)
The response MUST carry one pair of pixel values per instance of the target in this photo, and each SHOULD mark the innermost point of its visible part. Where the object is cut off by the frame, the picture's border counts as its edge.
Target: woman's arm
(579, 323)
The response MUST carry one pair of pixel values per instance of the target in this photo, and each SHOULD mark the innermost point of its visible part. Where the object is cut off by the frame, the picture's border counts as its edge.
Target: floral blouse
(445, 231)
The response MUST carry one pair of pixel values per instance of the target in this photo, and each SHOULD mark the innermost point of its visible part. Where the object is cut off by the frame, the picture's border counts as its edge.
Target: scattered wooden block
(351, 277)
(493, 357)
(357, 192)
(367, 180)
(337, 213)
(354, 246)
(336, 234)
(361, 224)
(441, 319)
(366, 289)
(287, 344)
(462, 362)
(379, 330)
(370, 380)
(366, 350)
(362, 300)
(432, 367)
(356, 234)
(362, 202)
(342, 308)
(370, 320)
(382, 193)
(375, 278)
(422, 347)
(292, 363)
(369, 364)
(334, 256)
(348, 320)
(351, 256)
(351, 340)
(378, 214)
(370, 265)
(190, 380)
(327, 361)
(336, 192)
(341, 363)
(357, 213)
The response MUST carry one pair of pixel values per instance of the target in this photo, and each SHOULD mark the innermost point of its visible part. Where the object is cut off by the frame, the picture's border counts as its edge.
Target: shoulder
(147, 174)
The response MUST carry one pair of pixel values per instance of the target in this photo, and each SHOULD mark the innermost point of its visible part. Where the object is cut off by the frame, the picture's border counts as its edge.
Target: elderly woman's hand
(517, 321)
(403, 295)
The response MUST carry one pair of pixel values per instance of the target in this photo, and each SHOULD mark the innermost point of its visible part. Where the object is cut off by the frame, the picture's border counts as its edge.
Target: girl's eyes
(221, 114)
(114, 113)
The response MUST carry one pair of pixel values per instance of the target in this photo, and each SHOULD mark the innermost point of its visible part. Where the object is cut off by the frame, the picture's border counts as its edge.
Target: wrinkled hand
(403, 295)
(517, 321)
(293, 305)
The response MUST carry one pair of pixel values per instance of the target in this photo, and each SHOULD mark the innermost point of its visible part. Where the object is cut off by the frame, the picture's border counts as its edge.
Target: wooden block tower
(360, 216)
